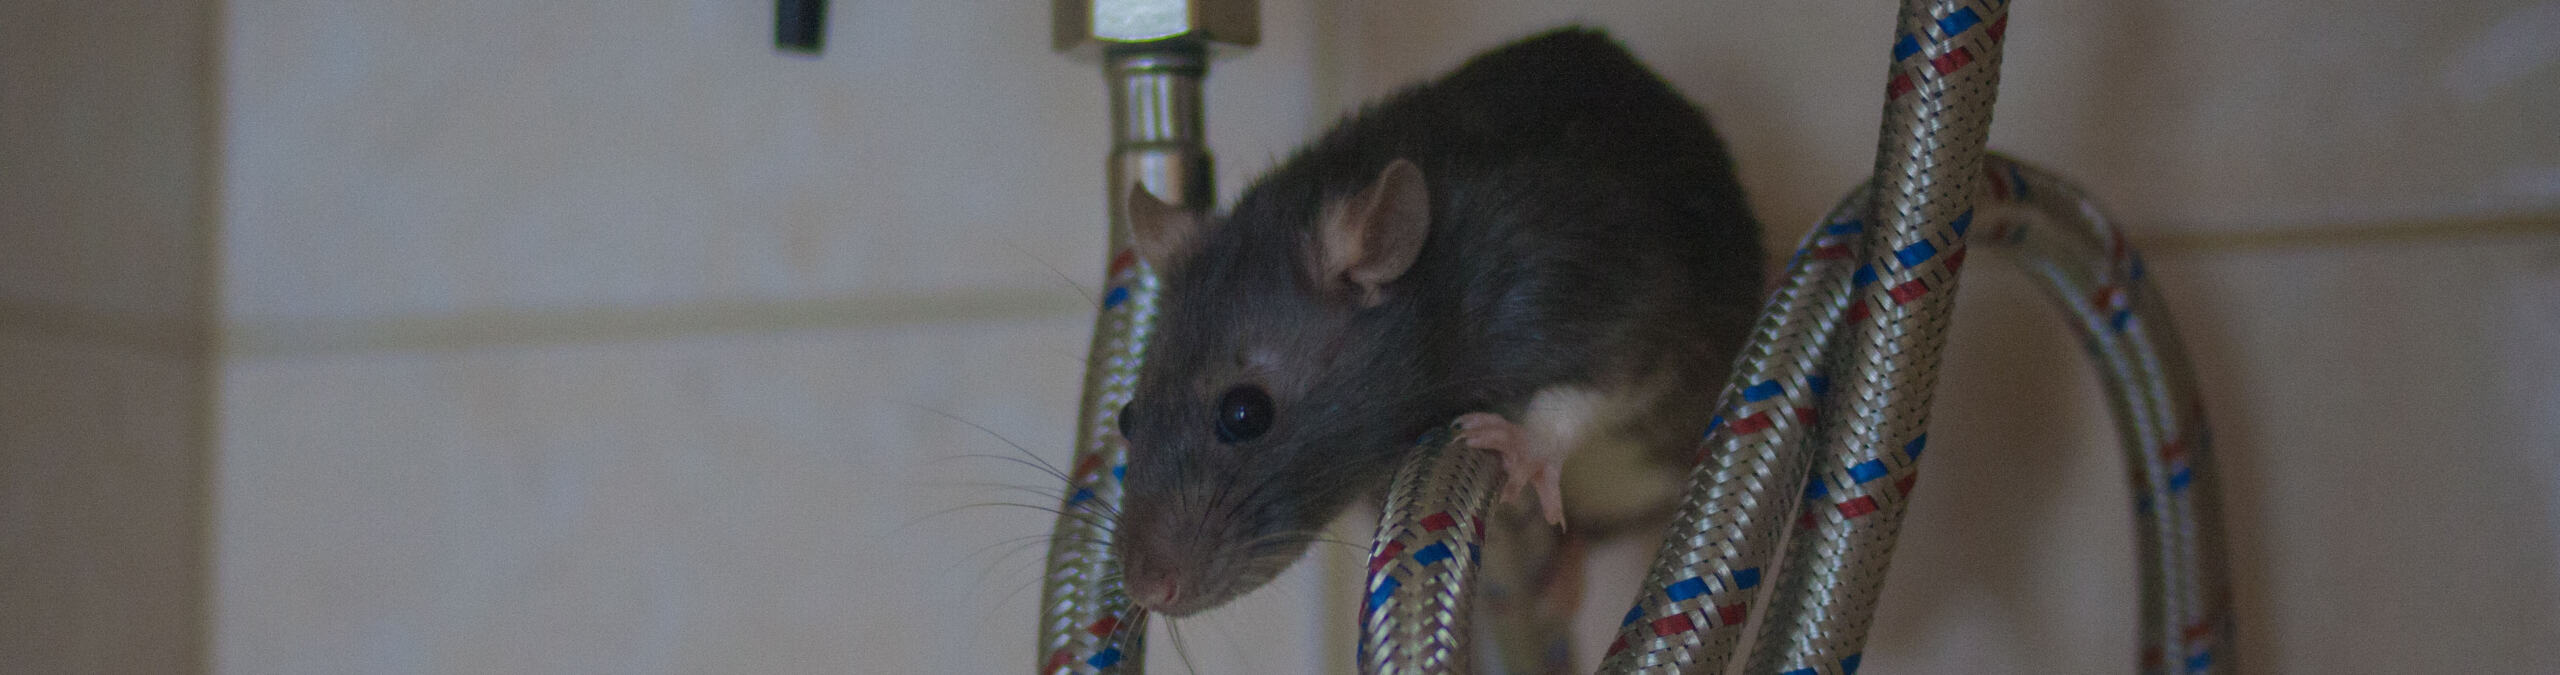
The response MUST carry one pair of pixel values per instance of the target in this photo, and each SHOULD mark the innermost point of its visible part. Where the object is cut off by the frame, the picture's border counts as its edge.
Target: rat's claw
(1522, 466)
(1540, 473)
(1488, 431)
(1550, 488)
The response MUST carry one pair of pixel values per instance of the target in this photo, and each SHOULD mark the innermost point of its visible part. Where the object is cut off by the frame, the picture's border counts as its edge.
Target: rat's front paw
(1523, 463)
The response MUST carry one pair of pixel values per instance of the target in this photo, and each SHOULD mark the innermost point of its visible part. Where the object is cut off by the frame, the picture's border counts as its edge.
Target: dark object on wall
(800, 25)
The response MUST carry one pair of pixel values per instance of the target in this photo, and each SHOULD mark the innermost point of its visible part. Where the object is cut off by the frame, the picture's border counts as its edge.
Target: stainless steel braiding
(1087, 622)
(1755, 455)
(1939, 95)
(1429, 542)
(2056, 232)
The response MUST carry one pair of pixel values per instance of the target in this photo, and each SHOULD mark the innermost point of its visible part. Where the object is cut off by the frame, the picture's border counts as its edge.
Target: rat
(1547, 246)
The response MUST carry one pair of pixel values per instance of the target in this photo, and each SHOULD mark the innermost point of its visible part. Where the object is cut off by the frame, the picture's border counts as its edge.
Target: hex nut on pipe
(1085, 26)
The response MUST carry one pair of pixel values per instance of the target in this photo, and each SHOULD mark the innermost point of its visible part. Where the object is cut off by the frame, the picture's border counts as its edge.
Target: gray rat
(1547, 245)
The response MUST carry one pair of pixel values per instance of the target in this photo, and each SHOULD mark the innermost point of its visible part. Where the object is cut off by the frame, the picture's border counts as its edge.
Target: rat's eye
(1123, 418)
(1244, 413)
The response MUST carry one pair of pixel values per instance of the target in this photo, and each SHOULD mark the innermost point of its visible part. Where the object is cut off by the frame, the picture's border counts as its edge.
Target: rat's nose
(1156, 592)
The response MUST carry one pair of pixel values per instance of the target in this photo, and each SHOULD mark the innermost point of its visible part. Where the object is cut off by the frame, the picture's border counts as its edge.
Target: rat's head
(1272, 393)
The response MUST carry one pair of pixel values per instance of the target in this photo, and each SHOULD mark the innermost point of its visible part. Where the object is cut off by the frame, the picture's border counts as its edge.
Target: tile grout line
(255, 338)
(203, 334)
(263, 338)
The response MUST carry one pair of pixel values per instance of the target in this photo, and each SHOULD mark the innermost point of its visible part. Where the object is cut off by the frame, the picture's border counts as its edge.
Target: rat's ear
(1371, 238)
(1164, 233)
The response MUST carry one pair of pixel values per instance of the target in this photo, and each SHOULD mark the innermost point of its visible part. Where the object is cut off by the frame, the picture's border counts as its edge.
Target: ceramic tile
(2390, 410)
(2383, 420)
(2193, 117)
(399, 160)
(102, 468)
(801, 502)
(103, 145)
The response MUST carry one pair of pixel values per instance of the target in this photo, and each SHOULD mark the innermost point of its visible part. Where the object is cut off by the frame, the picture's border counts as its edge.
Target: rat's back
(1583, 212)
(1572, 92)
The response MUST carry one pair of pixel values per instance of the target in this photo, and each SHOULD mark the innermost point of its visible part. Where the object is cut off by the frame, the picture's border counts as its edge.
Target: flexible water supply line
(1873, 426)
(1154, 67)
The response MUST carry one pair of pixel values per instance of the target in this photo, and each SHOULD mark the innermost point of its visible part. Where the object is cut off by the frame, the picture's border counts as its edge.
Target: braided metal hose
(1755, 456)
(2057, 233)
(1154, 56)
(1429, 543)
(1937, 121)
(1087, 622)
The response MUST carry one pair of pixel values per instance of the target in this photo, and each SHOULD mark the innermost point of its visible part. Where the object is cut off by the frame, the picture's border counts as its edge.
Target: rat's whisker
(1042, 467)
(1053, 469)
(1046, 494)
(1089, 297)
(1086, 517)
(1180, 647)
(1013, 541)
(1017, 590)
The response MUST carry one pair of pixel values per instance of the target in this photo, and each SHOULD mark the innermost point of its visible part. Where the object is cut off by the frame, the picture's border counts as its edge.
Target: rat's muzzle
(1178, 564)
(1165, 561)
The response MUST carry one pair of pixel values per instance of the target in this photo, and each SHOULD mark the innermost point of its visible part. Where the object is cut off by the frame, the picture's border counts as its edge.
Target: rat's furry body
(1586, 267)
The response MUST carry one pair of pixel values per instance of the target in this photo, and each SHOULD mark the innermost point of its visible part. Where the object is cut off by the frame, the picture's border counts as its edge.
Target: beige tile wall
(749, 503)
(104, 139)
(2197, 117)
(2384, 417)
(810, 501)
(102, 551)
(598, 337)
(389, 161)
